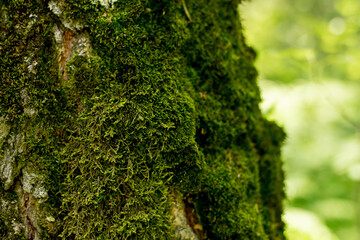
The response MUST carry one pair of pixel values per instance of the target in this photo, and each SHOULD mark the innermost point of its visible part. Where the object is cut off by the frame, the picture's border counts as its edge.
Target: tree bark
(133, 119)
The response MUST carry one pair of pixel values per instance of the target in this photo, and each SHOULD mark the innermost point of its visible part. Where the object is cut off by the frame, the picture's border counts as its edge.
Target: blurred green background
(309, 66)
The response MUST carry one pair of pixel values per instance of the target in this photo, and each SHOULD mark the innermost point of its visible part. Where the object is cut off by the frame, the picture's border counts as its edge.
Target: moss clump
(159, 102)
(243, 176)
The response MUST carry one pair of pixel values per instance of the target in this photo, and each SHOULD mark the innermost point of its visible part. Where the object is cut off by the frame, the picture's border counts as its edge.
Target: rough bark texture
(134, 119)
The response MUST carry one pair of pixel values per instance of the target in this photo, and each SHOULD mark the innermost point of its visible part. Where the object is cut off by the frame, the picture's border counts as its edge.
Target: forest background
(309, 65)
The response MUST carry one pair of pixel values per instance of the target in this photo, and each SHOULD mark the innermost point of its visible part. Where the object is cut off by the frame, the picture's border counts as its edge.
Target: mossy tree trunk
(134, 119)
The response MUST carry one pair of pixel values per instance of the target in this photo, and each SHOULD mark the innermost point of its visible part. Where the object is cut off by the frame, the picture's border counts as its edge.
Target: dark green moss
(237, 187)
(159, 102)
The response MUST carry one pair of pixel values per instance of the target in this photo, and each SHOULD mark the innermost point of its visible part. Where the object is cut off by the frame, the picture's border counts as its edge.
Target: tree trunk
(133, 119)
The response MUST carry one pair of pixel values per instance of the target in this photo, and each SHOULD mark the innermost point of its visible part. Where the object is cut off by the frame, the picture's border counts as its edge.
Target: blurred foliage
(308, 59)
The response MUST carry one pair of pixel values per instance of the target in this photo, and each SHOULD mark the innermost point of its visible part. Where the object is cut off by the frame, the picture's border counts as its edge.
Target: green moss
(230, 126)
(9, 216)
(159, 102)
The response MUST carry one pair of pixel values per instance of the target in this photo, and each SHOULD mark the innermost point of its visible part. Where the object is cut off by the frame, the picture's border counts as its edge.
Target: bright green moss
(158, 102)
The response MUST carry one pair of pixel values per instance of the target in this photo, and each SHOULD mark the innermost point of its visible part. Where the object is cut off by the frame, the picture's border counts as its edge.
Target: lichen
(9, 170)
(109, 107)
(34, 184)
(181, 224)
(57, 7)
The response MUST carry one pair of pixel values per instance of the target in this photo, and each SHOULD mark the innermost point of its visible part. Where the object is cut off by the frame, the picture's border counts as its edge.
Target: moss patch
(160, 101)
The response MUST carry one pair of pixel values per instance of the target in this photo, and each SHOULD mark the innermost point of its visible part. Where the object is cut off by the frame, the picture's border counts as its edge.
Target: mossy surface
(160, 102)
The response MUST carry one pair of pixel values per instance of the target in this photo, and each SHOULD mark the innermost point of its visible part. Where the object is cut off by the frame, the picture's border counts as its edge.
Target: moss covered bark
(113, 111)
